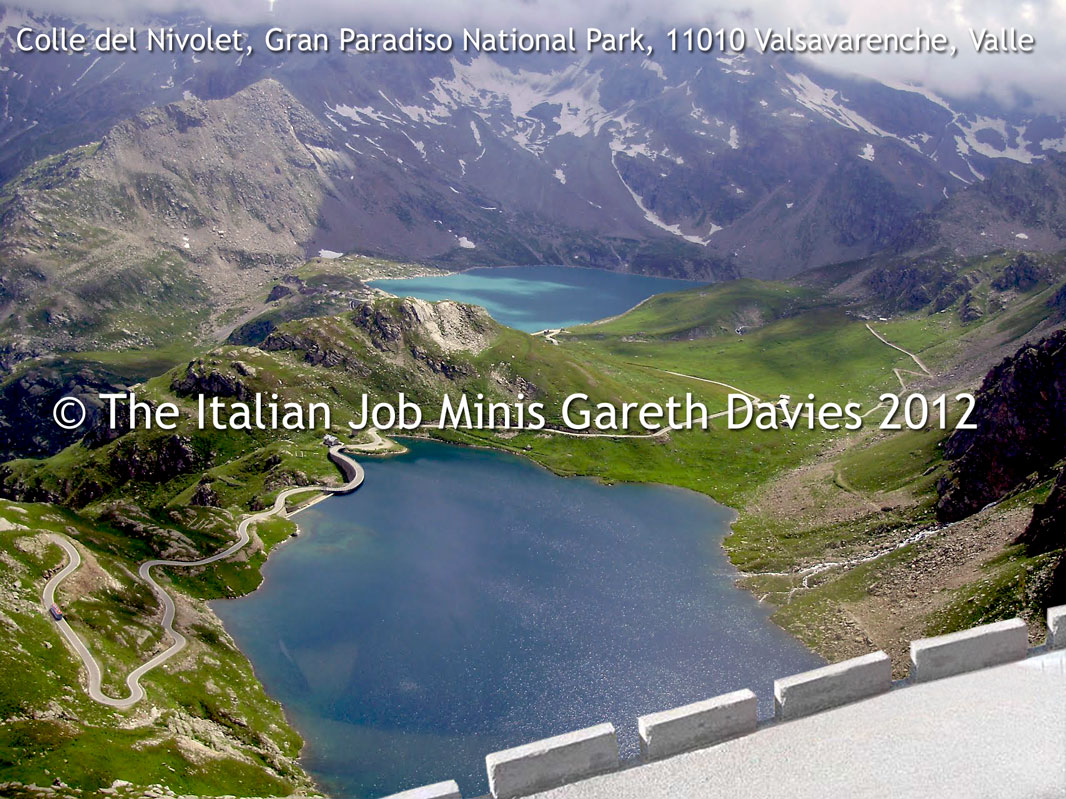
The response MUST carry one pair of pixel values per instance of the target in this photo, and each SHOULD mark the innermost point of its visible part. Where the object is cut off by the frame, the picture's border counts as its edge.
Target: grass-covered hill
(207, 728)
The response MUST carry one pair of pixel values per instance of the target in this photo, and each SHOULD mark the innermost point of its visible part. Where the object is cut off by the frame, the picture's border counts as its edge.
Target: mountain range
(711, 166)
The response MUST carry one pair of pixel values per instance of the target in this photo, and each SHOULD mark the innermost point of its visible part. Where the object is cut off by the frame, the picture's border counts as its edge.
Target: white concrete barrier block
(700, 724)
(552, 762)
(440, 790)
(830, 686)
(979, 648)
(1056, 627)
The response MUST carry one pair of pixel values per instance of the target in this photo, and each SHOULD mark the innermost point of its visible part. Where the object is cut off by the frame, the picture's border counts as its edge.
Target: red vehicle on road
(57, 614)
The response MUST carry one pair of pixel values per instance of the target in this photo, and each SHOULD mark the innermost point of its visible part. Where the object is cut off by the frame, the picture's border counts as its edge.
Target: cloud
(1011, 78)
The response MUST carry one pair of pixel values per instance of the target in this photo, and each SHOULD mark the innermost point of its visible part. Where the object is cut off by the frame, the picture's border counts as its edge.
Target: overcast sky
(1040, 74)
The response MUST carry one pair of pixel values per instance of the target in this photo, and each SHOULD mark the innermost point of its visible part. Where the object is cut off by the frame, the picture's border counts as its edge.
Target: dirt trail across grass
(900, 372)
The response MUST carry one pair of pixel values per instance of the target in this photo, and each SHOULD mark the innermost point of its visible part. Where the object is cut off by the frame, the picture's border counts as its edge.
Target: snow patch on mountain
(829, 103)
(504, 95)
(77, 80)
(420, 146)
(654, 218)
(993, 138)
(729, 66)
(652, 66)
(630, 138)
(364, 115)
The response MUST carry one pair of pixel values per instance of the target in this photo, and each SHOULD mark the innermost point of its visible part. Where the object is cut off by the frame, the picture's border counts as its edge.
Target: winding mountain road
(352, 471)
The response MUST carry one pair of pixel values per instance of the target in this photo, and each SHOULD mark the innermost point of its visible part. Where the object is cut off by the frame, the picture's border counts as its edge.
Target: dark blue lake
(464, 601)
(535, 298)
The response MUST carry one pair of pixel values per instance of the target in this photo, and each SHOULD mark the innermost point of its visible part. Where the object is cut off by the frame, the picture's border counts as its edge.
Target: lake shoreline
(466, 269)
(620, 502)
(534, 298)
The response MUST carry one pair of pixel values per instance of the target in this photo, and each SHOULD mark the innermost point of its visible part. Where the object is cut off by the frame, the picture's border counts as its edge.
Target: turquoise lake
(533, 298)
(464, 601)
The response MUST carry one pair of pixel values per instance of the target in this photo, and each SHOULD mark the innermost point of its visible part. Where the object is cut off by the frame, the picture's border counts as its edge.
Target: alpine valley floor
(844, 534)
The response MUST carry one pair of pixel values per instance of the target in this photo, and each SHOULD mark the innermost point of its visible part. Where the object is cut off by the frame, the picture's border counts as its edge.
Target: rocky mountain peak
(179, 213)
(1021, 429)
(448, 326)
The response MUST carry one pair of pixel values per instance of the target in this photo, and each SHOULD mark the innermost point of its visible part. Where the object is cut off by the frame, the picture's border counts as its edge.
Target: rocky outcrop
(209, 379)
(133, 459)
(452, 326)
(205, 496)
(970, 309)
(27, 400)
(164, 539)
(960, 287)
(382, 326)
(429, 334)
(1020, 429)
(1021, 274)
(449, 326)
(1046, 535)
(156, 461)
(279, 292)
(318, 353)
(1047, 530)
(939, 280)
(442, 365)
(13, 487)
(1057, 303)
(912, 285)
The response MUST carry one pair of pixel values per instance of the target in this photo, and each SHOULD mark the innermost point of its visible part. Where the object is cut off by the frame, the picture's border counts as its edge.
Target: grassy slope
(209, 730)
(790, 495)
